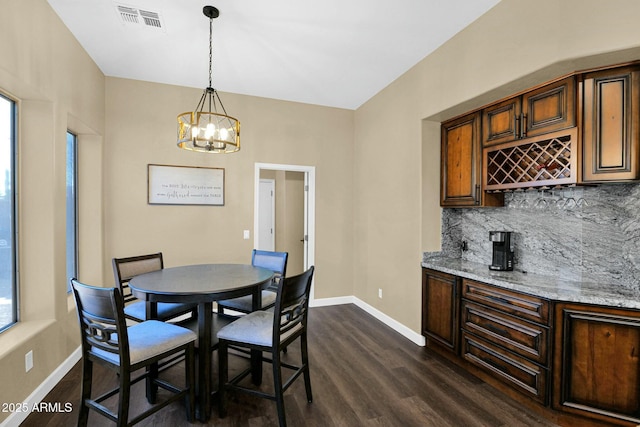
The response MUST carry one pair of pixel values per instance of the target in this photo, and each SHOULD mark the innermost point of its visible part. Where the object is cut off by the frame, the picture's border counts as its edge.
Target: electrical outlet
(246, 235)
(28, 361)
(380, 293)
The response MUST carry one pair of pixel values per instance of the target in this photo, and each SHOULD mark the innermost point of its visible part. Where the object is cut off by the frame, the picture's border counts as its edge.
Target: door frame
(310, 207)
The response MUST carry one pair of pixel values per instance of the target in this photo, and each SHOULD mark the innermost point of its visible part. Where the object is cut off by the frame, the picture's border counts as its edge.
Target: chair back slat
(274, 261)
(124, 269)
(292, 302)
(101, 316)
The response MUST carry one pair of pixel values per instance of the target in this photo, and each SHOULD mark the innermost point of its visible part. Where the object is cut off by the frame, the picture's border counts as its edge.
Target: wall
(598, 241)
(396, 186)
(377, 167)
(58, 87)
(141, 129)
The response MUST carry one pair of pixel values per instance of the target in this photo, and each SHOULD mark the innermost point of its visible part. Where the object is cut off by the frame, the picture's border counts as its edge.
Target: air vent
(151, 19)
(138, 17)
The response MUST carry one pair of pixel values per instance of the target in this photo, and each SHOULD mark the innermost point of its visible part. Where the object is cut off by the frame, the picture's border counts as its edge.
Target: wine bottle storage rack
(548, 160)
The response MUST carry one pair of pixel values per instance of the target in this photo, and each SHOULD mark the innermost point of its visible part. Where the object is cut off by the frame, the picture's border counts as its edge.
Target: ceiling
(336, 53)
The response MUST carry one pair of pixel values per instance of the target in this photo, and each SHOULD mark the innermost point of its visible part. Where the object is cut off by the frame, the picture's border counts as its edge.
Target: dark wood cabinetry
(461, 165)
(543, 110)
(597, 362)
(440, 304)
(577, 363)
(580, 129)
(506, 334)
(611, 127)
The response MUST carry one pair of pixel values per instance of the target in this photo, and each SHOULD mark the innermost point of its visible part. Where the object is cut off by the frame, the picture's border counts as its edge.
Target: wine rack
(548, 160)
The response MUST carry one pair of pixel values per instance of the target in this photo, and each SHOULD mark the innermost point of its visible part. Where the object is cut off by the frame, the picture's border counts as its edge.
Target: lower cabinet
(440, 304)
(597, 362)
(581, 360)
(498, 336)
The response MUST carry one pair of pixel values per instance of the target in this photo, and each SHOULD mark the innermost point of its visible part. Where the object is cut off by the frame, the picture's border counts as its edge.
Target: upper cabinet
(611, 130)
(461, 165)
(582, 129)
(540, 111)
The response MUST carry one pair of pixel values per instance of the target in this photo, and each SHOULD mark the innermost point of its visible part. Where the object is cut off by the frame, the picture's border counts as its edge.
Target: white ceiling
(335, 53)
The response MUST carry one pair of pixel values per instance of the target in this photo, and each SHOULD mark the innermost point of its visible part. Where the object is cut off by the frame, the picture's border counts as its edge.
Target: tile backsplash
(581, 233)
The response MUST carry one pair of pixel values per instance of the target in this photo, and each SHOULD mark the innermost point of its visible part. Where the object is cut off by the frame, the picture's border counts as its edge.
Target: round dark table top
(199, 282)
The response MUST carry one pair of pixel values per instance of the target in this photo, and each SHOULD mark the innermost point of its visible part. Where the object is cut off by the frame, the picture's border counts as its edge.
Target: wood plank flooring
(362, 373)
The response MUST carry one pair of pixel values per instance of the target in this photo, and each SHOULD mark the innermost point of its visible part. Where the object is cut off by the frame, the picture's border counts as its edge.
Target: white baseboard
(324, 302)
(16, 418)
(392, 323)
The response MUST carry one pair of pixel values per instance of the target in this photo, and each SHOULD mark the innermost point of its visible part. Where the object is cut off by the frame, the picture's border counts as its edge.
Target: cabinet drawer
(525, 338)
(516, 303)
(515, 371)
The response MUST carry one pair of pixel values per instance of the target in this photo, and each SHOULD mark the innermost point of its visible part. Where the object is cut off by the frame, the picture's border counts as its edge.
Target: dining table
(203, 284)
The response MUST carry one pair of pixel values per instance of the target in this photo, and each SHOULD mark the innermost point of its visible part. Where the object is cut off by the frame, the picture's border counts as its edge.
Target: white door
(266, 230)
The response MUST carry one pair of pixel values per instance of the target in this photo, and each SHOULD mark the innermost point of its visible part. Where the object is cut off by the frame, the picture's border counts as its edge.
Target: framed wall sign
(185, 185)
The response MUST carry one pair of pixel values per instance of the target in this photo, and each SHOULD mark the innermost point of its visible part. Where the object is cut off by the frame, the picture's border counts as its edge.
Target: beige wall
(58, 87)
(515, 45)
(377, 168)
(141, 129)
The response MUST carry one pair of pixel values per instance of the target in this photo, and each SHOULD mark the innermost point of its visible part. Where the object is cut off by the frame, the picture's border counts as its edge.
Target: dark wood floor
(363, 374)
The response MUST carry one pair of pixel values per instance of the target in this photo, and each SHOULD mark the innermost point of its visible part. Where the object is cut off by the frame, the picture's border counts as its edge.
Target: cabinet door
(460, 181)
(611, 130)
(549, 108)
(597, 362)
(461, 165)
(543, 110)
(440, 304)
(501, 122)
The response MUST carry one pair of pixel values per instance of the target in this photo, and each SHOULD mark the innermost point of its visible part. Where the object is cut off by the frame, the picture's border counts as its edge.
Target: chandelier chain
(210, 48)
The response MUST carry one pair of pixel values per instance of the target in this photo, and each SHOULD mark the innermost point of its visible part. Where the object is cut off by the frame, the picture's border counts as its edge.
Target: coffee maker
(502, 259)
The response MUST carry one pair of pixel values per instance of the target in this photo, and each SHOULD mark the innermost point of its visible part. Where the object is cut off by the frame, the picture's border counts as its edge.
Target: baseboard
(324, 302)
(16, 418)
(392, 323)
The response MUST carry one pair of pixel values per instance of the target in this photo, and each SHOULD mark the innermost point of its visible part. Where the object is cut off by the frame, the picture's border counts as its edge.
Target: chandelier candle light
(209, 131)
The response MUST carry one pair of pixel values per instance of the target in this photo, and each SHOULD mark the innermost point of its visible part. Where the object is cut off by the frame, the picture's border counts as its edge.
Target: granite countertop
(550, 287)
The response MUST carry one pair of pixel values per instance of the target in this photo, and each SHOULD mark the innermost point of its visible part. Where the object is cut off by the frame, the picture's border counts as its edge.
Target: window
(8, 250)
(72, 208)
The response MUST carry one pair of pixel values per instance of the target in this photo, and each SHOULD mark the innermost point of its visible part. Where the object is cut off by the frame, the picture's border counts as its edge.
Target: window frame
(71, 138)
(13, 176)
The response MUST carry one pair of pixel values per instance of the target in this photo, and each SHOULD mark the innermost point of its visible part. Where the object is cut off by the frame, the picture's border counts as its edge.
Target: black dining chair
(124, 269)
(274, 261)
(108, 341)
(270, 331)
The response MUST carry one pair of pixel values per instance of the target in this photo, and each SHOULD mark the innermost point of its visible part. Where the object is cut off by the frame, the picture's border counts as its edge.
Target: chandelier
(209, 131)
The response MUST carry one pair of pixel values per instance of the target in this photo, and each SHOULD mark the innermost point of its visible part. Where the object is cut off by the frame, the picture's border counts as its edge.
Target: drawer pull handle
(498, 299)
(495, 364)
(501, 331)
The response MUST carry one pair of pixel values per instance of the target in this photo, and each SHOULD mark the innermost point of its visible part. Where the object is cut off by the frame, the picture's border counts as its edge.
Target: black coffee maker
(502, 259)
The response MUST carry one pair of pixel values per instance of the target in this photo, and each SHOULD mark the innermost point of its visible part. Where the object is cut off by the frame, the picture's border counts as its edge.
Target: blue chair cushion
(166, 310)
(150, 338)
(255, 328)
(245, 303)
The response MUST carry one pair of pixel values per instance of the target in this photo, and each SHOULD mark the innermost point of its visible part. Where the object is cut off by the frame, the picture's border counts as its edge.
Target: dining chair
(124, 269)
(108, 341)
(270, 331)
(275, 261)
